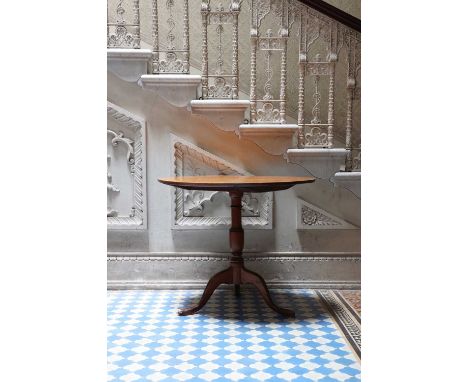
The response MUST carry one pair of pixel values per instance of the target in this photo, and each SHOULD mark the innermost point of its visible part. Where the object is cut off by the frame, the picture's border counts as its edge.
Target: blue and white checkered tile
(230, 339)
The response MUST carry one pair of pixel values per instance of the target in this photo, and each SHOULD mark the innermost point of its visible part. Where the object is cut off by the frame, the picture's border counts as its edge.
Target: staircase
(278, 83)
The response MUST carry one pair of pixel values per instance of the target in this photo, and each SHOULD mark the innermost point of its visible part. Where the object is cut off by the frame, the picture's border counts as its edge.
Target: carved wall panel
(126, 169)
(310, 216)
(202, 209)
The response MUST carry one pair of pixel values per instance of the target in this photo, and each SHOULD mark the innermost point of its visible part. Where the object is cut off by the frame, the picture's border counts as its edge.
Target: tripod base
(236, 274)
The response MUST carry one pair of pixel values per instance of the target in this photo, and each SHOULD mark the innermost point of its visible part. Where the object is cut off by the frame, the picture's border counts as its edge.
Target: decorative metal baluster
(205, 8)
(333, 57)
(108, 27)
(300, 111)
(253, 59)
(283, 78)
(235, 9)
(136, 22)
(350, 85)
(186, 46)
(253, 76)
(302, 70)
(349, 121)
(283, 70)
(155, 30)
(353, 69)
(331, 105)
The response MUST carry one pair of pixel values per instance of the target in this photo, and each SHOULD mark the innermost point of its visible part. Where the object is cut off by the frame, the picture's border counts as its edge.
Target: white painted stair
(274, 139)
(128, 64)
(177, 89)
(320, 162)
(181, 90)
(350, 180)
(226, 114)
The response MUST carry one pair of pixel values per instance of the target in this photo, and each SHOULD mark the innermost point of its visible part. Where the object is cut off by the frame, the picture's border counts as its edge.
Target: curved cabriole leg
(219, 278)
(257, 280)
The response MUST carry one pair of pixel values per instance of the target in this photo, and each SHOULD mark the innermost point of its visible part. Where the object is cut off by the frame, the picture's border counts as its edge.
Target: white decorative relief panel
(126, 169)
(194, 209)
(310, 216)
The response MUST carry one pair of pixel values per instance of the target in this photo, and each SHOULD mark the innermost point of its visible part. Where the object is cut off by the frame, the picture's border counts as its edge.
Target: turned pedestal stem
(236, 239)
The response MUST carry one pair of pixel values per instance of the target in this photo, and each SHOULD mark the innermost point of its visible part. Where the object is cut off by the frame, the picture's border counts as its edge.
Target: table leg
(219, 278)
(259, 283)
(236, 273)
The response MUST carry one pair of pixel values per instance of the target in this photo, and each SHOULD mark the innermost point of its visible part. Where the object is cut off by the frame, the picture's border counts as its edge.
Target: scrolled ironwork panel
(266, 44)
(220, 82)
(122, 33)
(171, 44)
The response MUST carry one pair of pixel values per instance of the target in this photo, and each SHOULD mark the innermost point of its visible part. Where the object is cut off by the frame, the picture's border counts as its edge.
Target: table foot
(258, 281)
(226, 277)
(219, 278)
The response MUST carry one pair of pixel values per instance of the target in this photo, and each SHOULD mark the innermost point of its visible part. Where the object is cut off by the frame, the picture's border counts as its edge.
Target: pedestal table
(236, 186)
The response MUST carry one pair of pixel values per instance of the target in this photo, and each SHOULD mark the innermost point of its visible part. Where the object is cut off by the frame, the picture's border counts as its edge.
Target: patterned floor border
(345, 316)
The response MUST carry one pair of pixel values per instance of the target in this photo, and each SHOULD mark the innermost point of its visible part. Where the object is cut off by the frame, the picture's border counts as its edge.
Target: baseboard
(164, 270)
(191, 284)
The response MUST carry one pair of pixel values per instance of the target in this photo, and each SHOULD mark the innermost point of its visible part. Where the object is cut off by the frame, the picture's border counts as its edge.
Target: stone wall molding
(216, 256)
(167, 270)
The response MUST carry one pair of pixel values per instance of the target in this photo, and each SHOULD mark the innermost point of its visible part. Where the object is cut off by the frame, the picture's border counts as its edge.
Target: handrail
(335, 13)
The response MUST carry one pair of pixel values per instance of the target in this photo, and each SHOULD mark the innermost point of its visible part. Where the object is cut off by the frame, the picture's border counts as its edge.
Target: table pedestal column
(236, 274)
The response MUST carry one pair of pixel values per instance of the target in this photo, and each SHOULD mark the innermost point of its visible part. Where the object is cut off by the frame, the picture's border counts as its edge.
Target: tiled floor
(231, 339)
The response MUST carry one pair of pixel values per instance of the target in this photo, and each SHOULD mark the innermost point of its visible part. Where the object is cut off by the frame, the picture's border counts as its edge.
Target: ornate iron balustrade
(263, 110)
(324, 83)
(353, 93)
(220, 84)
(121, 33)
(169, 57)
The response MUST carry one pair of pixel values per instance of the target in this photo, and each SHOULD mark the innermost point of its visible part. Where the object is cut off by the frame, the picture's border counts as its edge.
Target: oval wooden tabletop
(233, 183)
